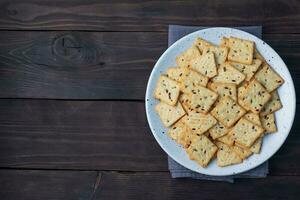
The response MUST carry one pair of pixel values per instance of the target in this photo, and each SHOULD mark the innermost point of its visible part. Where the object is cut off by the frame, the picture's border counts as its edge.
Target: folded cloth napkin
(178, 171)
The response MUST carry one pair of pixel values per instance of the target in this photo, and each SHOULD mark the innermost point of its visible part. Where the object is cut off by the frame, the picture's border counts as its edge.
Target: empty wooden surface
(73, 76)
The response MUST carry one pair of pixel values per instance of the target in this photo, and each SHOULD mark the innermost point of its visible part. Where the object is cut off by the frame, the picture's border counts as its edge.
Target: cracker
(268, 123)
(169, 114)
(191, 79)
(224, 41)
(227, 111)
(228, 74)
(255, 148)
(202, 150)
(273, 105)
(180, 133)
(199, 123)
(248, 70)
(226, 139)
(252, 117)
(205, 65)
(240, 50)
(184, 99)
(217, 131)
(245, 132)
(255, 96)
(270, 79)
(257, 55)
(201, 44)
(243, 153)
(175, 73)
(167, 90)
(240, 91)
(183, 60)
(224, 89)
(201, 99)
(219, 52)
(226, 156)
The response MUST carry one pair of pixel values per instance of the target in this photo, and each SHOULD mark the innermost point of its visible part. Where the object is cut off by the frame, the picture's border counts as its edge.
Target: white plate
(271, 143)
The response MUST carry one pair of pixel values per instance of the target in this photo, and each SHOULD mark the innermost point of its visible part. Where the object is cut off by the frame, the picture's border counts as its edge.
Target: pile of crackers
(219, 101)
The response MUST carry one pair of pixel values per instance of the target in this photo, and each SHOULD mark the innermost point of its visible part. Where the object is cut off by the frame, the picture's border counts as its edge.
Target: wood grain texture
(96, 135)
(278, 16)
(50, 185)
(160, 186)
(84, 65)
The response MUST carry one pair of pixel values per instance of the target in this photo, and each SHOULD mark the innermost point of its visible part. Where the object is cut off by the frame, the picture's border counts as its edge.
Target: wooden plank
(96, 135)
(158, 185)
(52, 185)
(133, 15)
(84, 65)
(77, 65)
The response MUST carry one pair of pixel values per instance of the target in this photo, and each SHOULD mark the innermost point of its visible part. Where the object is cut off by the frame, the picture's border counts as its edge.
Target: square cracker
(167, 90)
(226, 139)
(224, 89)
(255, 96)
(169, 114)
(205, 65)
(253, 117)
(201, 44)
(175, 73)
(268, 123)
(269, 78)
(183, 60)
(256, 146)
(191, 79)
(228, 74)
(240, 50)
(180, 133)
(201, 99)
(202, 150)
(226, 156)
(248, 70)
(273, 104)
(227, 111)
(199, 123)
(217, 131)
(245, 132)
(219, 52)
(243, 153)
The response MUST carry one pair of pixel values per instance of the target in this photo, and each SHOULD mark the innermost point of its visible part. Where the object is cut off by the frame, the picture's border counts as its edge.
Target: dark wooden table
(73, 76)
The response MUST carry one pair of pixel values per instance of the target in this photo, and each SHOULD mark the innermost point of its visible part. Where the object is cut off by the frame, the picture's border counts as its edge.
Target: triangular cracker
(169, 114)
(228, 74)
(226, 139)
(219, 52)
(201, 44)
(243, 153)
(256, 146)
(252, 117)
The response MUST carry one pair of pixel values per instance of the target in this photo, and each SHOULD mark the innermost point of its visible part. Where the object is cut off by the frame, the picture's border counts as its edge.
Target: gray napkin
(178, 171)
